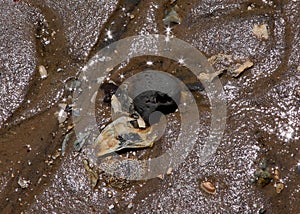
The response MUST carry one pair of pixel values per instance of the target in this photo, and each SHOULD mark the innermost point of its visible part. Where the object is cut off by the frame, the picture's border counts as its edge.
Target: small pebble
(23, 183)
(169, 171)
(261, 31)
(62, 116)
(59, 70)
(109, 194)
(130, 205)
(279, 187)
(298, 166)
(276, 175)
(161, 177)
(43, 72)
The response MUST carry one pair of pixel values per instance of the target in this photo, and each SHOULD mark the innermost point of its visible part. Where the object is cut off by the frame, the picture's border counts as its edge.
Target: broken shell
(261, 31)
(172, 17)
(121, 134)
(43, 72)
(209, 76)
(241, 68)
(279, 187)
(208, 187)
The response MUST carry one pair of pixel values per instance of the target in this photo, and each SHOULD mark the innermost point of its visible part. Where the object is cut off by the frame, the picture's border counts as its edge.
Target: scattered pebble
(298, 68)
(62, 115)
(161, 177)
(298, 166)
(261, 31)
(208, 187)
(23, 183)
(110, 207)
(130, 205)
(43, 72)
(251, 7)
(28, 147)
(169, 171)
(59, 70)
(116, 200)
(263, 176)
(109, 194)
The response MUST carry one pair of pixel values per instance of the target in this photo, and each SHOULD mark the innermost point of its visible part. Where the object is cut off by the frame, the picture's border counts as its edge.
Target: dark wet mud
(261, 139)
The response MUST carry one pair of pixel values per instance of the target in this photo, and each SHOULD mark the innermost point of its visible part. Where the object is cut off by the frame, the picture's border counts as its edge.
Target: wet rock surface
(262, 107)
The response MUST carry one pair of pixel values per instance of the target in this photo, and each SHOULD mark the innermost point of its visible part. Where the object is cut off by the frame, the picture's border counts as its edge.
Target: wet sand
(262, 106)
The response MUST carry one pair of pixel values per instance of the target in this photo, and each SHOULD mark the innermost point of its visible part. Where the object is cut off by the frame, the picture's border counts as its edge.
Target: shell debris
(240, 68)
(208, 187)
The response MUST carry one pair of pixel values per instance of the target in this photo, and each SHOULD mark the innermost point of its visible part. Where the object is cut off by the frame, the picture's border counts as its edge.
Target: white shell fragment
(261, 31)
(43, 72)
